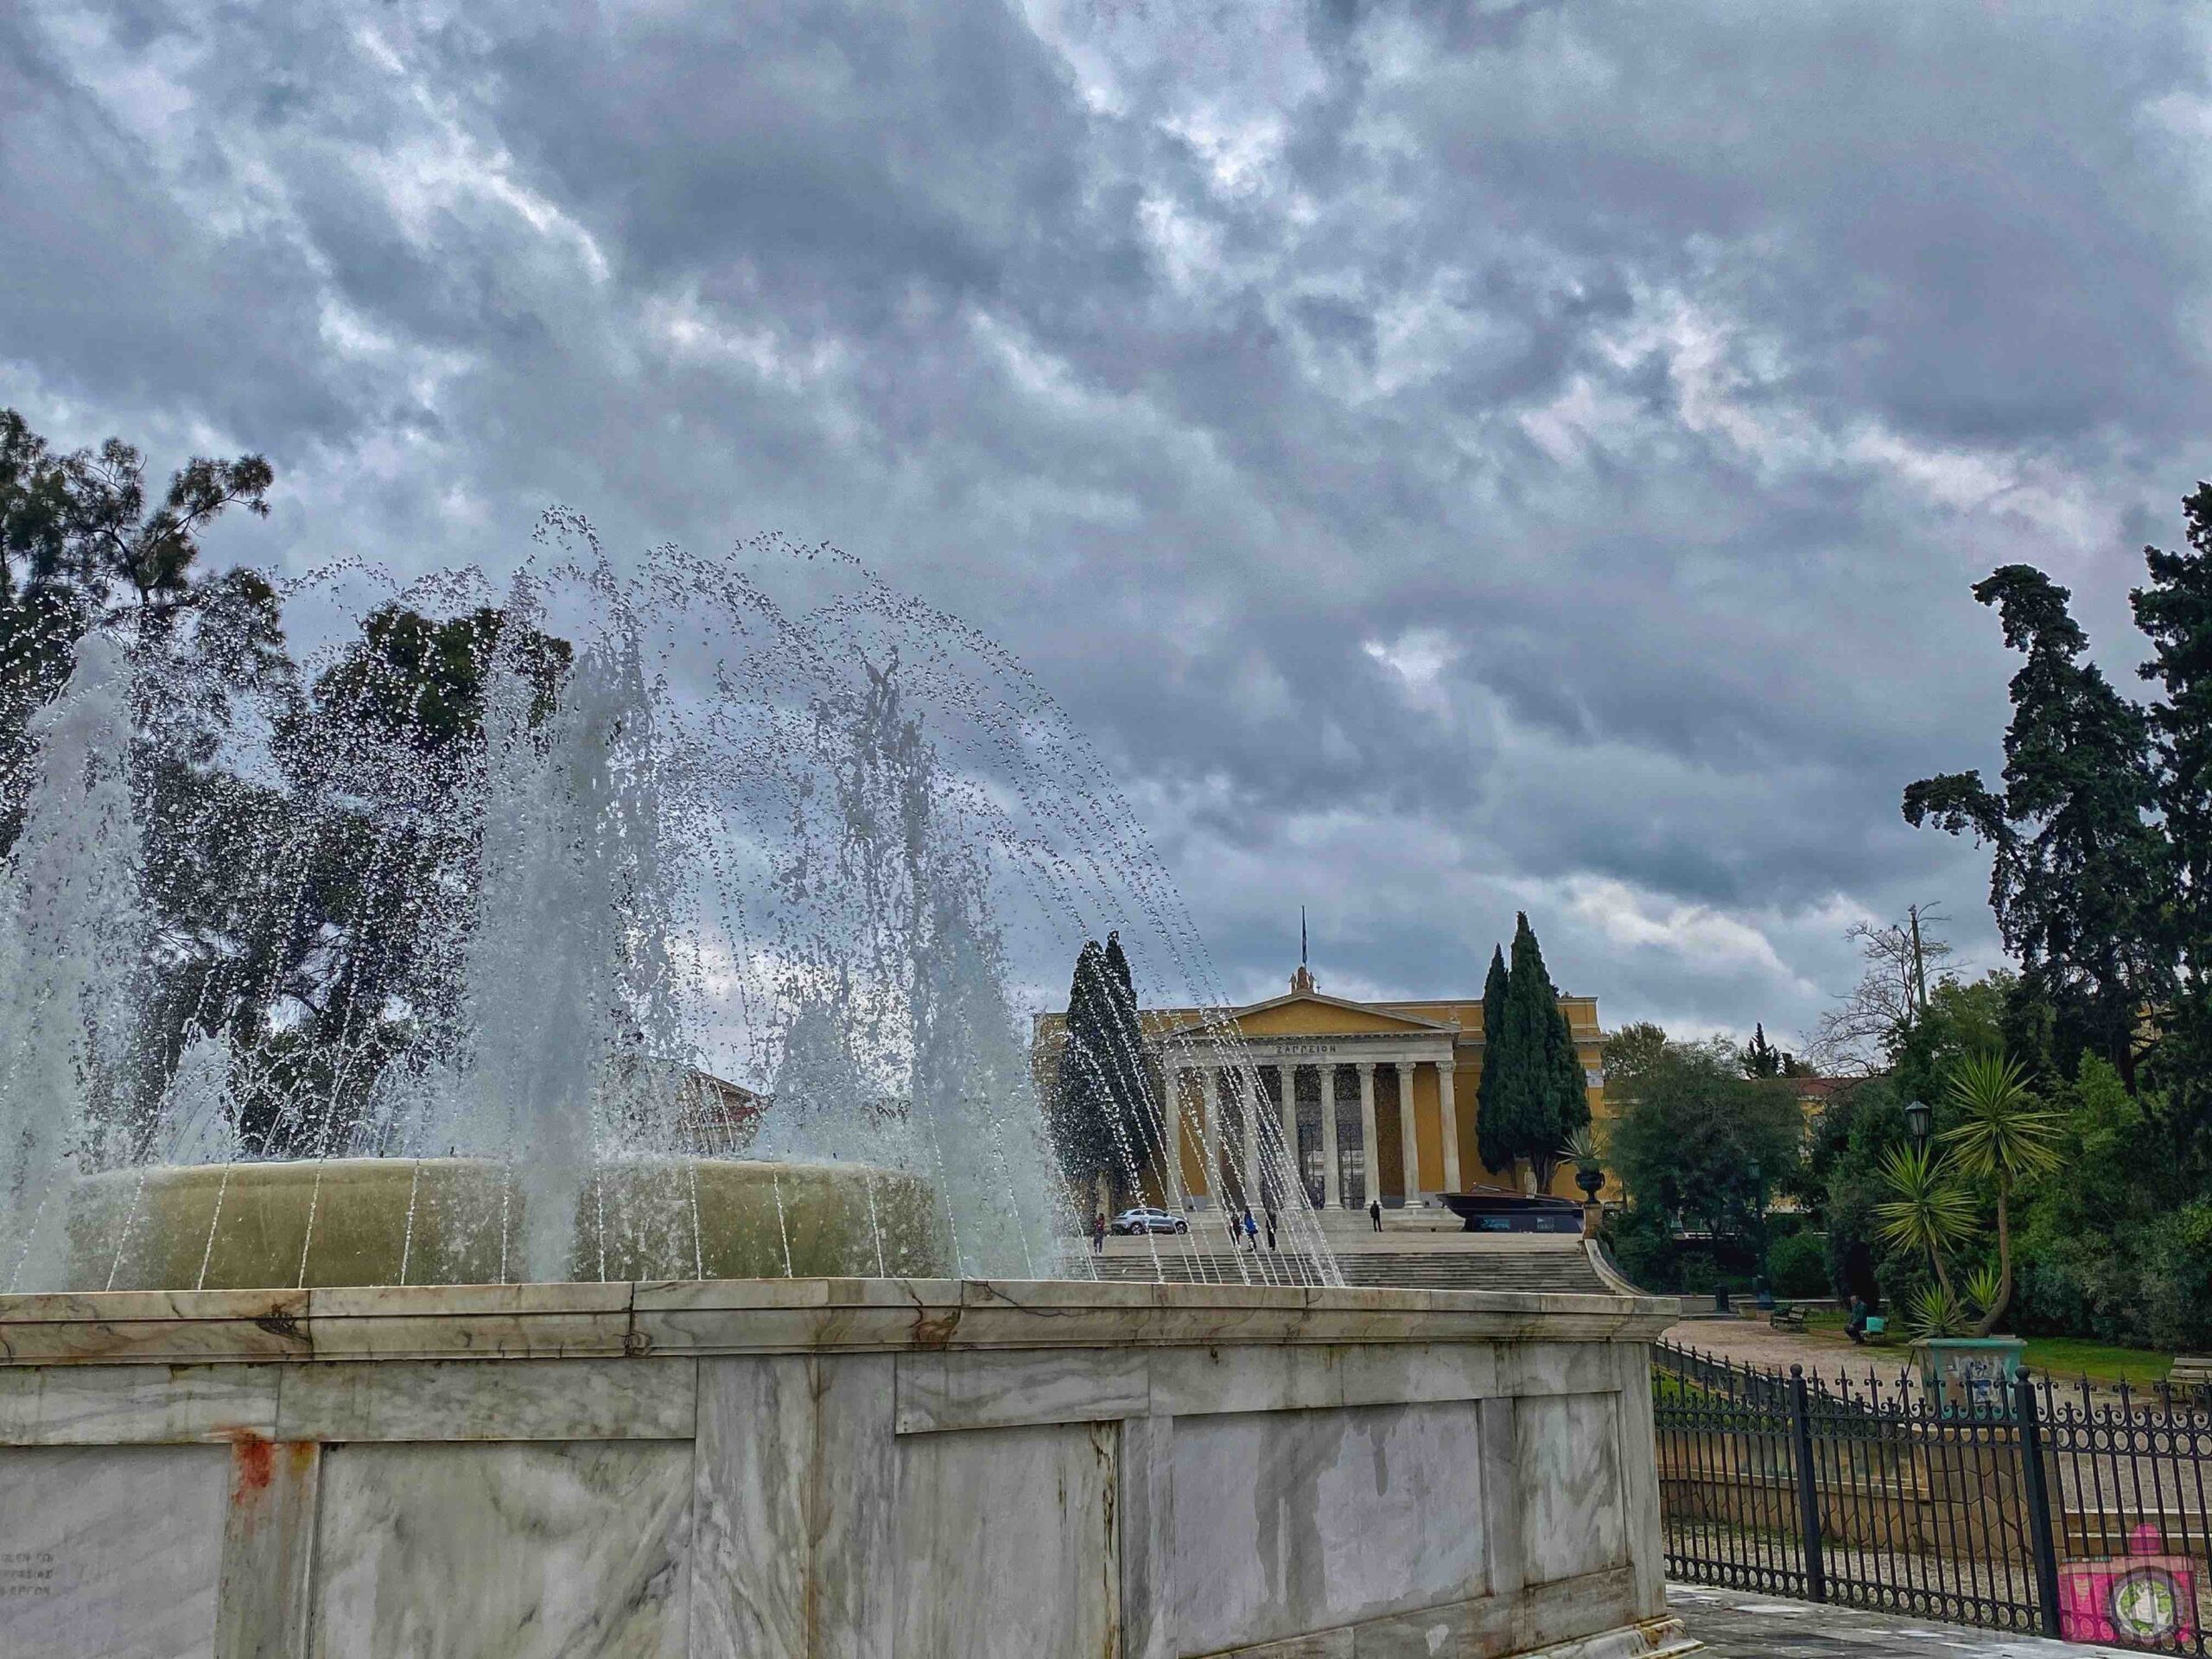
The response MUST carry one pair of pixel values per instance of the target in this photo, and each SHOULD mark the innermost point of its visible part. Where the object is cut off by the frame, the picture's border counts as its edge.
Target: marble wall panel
(1144, 1490)
(469, 1400)
(796, 1495)
(123, 1405)
(1640, 1477)
(1566, 1474)
(937, 1392)
(1540, 1368)
(1289, 1522)
(265, 1594)
(1204, 1380)
(112, 1550)
(492, 1551)
(1007, 1544)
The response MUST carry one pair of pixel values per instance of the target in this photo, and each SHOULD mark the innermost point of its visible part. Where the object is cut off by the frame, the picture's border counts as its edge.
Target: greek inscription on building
(26, 1573)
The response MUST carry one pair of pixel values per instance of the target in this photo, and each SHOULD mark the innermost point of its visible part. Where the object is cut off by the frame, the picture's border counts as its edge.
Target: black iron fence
(2040, 1508)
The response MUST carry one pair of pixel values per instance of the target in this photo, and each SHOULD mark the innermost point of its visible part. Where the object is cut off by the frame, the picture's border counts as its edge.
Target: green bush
(1798, 1266)
(1643, 1246)
(2103, 1253)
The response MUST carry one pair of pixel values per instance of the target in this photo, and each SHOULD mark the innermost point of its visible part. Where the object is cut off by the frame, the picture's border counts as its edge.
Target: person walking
(1374, 1213)
(1098, 1234)
(1251, 1231)
(1271, 1229)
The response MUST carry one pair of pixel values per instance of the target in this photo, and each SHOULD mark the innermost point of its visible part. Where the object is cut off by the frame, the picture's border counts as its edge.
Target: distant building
(1378, 1098)
(717, 1118)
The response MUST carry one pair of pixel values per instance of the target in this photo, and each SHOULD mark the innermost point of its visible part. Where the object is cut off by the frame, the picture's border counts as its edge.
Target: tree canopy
(1694, 1139)
(1533, 1094)
(1098, 1106)
(300, 865)
(2079, 869)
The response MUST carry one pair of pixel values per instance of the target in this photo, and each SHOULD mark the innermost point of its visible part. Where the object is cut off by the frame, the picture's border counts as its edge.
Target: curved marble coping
(736, 1316)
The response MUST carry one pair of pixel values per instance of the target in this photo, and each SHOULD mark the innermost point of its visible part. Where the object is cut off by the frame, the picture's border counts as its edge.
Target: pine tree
(2175, 609)
(1761, 1057)
(1496, 1152)
(2079, 877)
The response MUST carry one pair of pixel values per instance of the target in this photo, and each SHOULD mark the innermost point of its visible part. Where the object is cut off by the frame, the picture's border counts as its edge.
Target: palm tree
(2003, 1136)
(1930, 1212)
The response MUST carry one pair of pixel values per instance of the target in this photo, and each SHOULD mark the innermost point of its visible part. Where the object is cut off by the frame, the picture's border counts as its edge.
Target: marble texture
(500, 1551)
(831, 1469)
(263, 1597)
(468, 1400)
(796, 1494)
(1567, 1472)
(125, 1405)
(112, 1550)
(942, 1392)
(929, 1315)
(1294, 1522)
(1486, 1627)
(1006, 1544)
(1150, 1571)
(1640, 1516)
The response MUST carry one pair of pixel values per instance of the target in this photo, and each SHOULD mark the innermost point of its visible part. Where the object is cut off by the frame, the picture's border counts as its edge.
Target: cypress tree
(1490, 1142)
(1761, 1057)
(1081, 1116)
(1125, 1034)
(1539, 1098)
(1565, 1090)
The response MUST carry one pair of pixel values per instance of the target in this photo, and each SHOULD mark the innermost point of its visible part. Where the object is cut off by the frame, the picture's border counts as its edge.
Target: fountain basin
(909, 1469)
(447, 1221)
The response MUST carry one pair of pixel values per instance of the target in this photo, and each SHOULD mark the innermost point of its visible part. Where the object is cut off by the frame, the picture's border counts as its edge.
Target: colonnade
(1216, 1080)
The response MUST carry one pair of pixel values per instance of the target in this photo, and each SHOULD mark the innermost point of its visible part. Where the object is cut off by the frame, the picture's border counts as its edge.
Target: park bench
(1787, 1319)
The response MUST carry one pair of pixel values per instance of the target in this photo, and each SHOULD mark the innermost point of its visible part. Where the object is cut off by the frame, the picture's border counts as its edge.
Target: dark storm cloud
(1452, 460)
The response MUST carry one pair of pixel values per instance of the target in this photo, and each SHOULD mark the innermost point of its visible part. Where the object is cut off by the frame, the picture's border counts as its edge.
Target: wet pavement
(1736, 1625)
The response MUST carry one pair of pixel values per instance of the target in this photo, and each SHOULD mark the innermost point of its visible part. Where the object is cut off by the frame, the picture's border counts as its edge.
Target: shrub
(1644, 1244)
(1798, 1266)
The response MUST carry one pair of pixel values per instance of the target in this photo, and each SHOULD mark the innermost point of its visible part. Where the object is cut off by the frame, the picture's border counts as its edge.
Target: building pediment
(1310, 1014)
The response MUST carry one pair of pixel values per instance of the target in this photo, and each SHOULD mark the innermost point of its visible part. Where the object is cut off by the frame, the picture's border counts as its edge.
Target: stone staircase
(1567, 1270)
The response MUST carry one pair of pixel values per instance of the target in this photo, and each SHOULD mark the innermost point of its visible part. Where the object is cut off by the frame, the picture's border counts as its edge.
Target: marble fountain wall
(868, 1469)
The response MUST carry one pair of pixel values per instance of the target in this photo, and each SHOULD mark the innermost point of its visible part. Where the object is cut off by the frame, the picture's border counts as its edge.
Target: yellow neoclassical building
(1377, 1099)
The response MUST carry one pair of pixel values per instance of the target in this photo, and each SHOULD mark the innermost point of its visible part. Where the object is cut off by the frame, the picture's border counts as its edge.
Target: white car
(1145, 1220)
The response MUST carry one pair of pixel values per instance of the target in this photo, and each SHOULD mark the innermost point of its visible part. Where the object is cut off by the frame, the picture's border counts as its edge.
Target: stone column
(1332, 1180)
(1249, 1186)
(1170, 1125)
(1209, 1128)
(1448, 1120)
(1367, 1160)
(1409, 1152)
(1287, 1110)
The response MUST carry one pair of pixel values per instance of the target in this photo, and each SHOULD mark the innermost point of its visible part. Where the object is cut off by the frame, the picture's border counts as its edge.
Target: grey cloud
(1666, 374)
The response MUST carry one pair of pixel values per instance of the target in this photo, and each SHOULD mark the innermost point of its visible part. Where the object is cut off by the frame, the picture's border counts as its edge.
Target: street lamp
(1916, 1118)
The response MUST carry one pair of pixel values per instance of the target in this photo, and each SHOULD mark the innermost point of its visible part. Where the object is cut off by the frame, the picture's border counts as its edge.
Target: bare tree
(1857, 1036)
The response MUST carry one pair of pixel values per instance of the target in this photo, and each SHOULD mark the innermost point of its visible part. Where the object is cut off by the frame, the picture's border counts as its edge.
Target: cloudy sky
(1451, 459)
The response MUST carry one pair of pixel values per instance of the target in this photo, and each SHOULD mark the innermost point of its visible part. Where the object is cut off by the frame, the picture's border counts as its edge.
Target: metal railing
(2045, 1509)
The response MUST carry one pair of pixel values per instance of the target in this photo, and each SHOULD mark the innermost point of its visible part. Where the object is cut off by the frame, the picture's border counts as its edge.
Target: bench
(1787, 1319)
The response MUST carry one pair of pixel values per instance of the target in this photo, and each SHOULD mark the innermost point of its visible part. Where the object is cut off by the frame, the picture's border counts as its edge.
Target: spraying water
(598, 926)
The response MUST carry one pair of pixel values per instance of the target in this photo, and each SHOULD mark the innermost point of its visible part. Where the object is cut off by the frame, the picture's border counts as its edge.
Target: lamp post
(1917, 1118)
(1764, 1286)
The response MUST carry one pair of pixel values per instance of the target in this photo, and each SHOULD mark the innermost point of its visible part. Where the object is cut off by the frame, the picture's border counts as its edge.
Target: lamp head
(1917, 1117)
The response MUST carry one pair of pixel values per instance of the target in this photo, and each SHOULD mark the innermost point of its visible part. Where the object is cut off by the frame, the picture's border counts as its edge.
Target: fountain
(562, 859)
(514, 1139)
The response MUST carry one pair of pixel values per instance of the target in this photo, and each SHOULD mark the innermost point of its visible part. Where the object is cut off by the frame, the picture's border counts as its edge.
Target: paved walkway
(1734, 1625)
